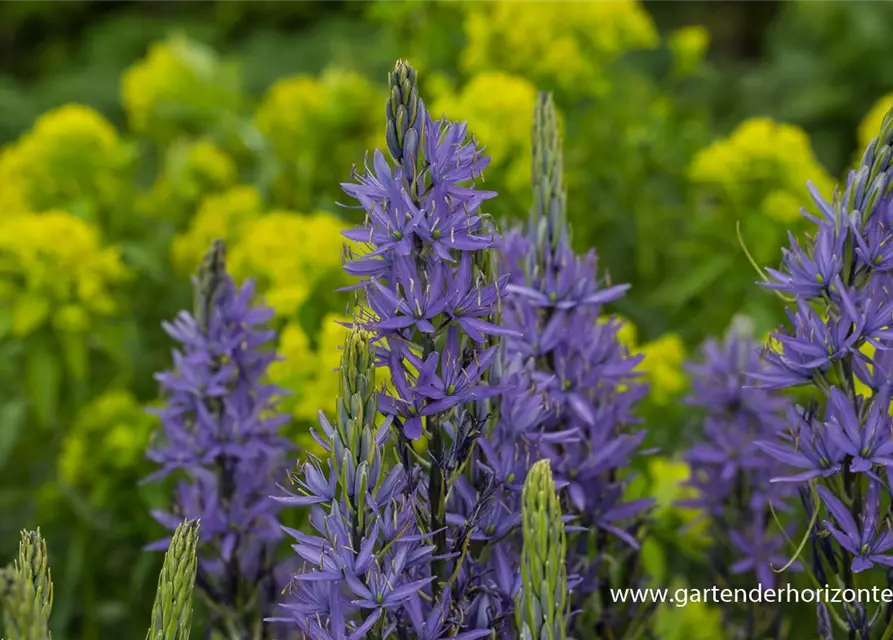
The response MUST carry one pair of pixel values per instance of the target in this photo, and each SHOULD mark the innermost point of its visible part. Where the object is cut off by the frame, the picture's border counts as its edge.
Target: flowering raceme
(589, 385)
(429, 301)
(838, 449)
(220, 428)
(730, 475)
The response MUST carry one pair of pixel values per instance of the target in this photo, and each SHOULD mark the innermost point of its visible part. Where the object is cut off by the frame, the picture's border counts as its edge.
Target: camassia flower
(589, 386)
(430, 300)
(838, 343)
(365, 558)
(219, 432)
(730, 474)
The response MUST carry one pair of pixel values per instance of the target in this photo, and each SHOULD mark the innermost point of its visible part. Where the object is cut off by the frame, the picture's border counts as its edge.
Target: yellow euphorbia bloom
(55, 263)
(318, 128)
(191, 170)
(180, 84)
(662, 366)
(72, 158)
(688, 45)
(287, 253)
(498, 108)
(108, 438)
(569, 43)
(220, 216)
(766, 165)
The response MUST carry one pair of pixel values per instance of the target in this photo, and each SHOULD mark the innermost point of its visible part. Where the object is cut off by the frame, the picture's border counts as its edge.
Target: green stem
(437, 506)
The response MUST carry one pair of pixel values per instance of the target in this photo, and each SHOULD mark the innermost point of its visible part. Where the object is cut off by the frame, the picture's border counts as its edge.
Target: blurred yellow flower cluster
(566, 43)
(662, 363)
(72, 159)
(288, 254)
(871, 123)
(763, 165)
(220, 216)
(662, 366)
(498, 108)
(192, 170)
(688, 46)
(108, 438)
(54, 267)
(310, 372)
(181, 86)
(319, 127)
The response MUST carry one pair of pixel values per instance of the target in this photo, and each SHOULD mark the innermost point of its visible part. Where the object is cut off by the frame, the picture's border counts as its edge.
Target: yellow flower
(220, 216)
(295, 367)
(179, 85)
(688, 46)
(567, 43)
(662, 366)
(498, 108)
(192, 170)
(870, 126)
(318, 126)
(288, 253)
(763, 165)
(627, 335)
(72, 158)
(108, 436)
(56, 261)
(312, 374)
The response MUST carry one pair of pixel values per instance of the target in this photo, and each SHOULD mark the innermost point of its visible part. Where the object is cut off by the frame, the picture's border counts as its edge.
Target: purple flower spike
(219, 431)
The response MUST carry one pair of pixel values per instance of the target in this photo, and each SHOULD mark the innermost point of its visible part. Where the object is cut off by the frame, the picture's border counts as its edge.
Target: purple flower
(868, 442)
(219, 430)
(809, 446)
(867, 542)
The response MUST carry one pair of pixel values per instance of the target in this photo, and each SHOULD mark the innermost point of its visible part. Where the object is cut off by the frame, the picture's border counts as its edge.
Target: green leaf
(43, 377)
(29, 312)
(12, 418)
(75, 352)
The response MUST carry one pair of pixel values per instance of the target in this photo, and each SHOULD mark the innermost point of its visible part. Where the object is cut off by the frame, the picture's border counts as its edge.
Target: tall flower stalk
(730, 475)
(555, 301)
(220, 432)
(430, 298)
(838, 448)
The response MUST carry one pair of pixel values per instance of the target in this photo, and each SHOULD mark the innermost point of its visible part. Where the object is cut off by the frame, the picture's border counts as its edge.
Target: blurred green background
(134, 133)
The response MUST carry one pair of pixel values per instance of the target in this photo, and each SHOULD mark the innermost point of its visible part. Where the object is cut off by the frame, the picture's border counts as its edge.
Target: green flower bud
(211, 276)
(405, 112)
(28, 591)
(541, 607)
(549, 196)
(172, 611)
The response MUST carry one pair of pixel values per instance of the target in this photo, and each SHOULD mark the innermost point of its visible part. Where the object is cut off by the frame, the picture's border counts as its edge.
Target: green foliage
(541, 607)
